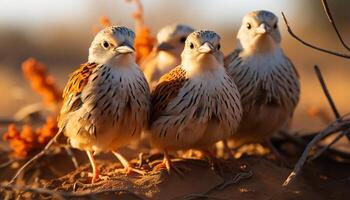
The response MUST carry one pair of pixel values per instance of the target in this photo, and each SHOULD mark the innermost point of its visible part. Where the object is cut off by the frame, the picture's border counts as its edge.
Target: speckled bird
(197, 103)
(107, 100)
(267, 80)
(167, 53)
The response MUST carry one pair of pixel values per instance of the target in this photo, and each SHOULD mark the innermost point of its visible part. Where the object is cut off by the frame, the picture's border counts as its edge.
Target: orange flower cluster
(41, 82)
(144, 41)
(25, 141)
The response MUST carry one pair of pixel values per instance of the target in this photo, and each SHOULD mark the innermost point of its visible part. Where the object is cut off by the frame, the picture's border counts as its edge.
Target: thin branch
(328, 95)
(331, 20)
(326, 92)
(72, 156)
(323, 149)
(311, 45)
(35, 158)
(335, 127)
(7, 163)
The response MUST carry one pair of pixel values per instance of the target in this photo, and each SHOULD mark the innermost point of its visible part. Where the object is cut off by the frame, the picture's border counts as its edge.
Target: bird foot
(129, 170)
(95, 177)
(171, 168)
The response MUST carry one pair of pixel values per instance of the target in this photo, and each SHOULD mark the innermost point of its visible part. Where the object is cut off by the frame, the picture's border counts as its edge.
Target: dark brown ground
(261, 178)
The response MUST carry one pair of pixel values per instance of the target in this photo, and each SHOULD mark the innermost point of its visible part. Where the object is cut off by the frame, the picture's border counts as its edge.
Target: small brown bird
(166, 55)
(196, 104)
(266, 78)
(107, 100)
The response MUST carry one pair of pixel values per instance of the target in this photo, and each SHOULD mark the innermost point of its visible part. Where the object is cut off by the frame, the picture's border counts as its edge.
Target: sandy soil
(260, 178)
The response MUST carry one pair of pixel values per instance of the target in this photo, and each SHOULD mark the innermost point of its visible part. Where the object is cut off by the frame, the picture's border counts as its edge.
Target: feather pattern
(270, 89)
(114, 106)
(262, 79)
(194, 111)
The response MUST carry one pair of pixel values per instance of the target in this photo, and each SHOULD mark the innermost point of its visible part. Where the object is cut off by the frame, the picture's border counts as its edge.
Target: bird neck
(262, 44)
(202, 64)
(123, 61)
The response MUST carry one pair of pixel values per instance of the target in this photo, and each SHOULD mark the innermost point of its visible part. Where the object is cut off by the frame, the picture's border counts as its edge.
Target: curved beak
(263, 28)
(207, 47)
(164, 46)
(125, 48)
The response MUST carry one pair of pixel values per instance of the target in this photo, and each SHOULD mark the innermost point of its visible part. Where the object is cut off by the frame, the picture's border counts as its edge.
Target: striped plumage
(166, 54)
(107, 100)
(197, 103)
(267, 80)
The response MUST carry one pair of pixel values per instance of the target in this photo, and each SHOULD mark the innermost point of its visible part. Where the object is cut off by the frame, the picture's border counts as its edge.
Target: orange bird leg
(95, 171)
(168, 165)
(125, 163)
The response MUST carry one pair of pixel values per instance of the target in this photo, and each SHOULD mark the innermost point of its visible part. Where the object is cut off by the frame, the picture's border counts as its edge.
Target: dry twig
(326, 92)
(329, 97)
(325, 148)
(35, 158)
(311, 45)
(331, 20)
(335, 127)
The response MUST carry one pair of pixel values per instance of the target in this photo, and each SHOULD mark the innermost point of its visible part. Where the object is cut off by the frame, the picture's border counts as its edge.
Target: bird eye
(182, 39)
(249, 26)
(105, 44)
(275, 26)
(219, 46)
(191, 45)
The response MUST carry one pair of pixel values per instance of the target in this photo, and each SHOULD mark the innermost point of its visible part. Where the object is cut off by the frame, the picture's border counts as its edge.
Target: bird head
(113, 44)
(259, 31)
(202, 50)
(171, 39)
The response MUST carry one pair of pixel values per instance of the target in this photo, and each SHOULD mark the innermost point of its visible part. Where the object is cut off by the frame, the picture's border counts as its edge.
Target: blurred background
(59, 32)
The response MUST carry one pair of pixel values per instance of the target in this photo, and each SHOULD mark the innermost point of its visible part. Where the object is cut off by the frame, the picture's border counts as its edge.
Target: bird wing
(166, 90)
(72, 92)
(230, 58)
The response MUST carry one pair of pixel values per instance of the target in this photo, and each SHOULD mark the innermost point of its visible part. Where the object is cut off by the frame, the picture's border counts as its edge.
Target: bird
(197, 103)
(106, 101)
(166, 54)
(266, 78)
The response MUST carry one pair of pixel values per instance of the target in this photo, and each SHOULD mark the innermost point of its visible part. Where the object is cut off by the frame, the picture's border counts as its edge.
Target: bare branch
(72, 156)
(331, 20)
(329, 97)
(326, 92)
(325, 148)
(335, 127)
(35, 158)
(311, 45)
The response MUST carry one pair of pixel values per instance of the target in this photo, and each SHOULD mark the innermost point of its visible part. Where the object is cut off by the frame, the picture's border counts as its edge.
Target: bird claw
(97, 177)
(129, 170)
(170, 167)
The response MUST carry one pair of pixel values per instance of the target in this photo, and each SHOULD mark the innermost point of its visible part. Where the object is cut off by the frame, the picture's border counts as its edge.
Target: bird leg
(95, 171)
(126, 164)
(168, 165)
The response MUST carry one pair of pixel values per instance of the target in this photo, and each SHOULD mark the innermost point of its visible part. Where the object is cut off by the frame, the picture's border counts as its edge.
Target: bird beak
(263, 28)
(125, 48)
(207, 47)
(164, 46)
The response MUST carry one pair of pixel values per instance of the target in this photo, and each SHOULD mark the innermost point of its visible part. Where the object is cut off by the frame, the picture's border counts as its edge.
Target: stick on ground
(334, 127)
(35, 158)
